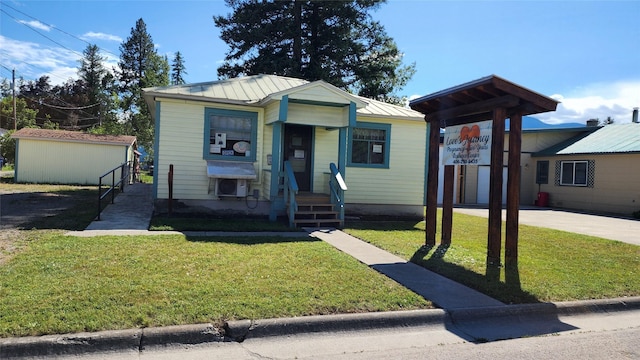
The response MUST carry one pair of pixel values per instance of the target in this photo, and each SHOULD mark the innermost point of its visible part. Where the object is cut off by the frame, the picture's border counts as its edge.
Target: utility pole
(13, 86)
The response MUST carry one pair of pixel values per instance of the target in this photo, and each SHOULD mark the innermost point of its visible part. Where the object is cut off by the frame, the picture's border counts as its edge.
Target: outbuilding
(68, 157)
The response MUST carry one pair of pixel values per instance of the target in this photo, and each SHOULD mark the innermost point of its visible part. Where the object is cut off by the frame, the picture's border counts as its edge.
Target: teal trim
(342, 153)
(276, 165)
(156, 151)
(426, 164)
(353, 120)
(284, 108)
(253, 116)
(313, 102)
(386, 150)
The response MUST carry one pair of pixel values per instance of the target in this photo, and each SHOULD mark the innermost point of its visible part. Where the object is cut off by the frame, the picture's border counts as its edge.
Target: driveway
(621, 229)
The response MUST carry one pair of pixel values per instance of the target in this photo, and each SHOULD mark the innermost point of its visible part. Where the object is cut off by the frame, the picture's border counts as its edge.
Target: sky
(585, 54)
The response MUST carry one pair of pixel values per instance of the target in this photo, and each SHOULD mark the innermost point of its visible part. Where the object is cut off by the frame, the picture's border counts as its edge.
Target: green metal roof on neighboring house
(610, 139)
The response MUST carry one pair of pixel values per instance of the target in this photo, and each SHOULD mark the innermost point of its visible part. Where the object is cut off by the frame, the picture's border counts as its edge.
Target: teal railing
(290, 192)
(337, 187)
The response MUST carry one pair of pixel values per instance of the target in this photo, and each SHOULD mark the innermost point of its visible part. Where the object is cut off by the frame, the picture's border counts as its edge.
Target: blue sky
(584, 53)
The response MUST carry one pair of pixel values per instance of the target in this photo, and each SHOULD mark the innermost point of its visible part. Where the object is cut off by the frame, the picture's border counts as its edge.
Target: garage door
(483, 185)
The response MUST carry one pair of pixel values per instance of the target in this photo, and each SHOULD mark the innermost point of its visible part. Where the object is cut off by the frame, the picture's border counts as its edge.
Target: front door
(297, 150)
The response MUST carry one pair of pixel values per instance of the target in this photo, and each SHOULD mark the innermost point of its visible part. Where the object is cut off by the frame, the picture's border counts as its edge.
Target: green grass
(552, 265)
(195, 223)
(62, 284)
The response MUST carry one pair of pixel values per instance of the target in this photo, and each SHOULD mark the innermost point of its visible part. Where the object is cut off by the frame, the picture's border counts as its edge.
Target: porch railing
(337, 187)
(290, 192)
(111, 189)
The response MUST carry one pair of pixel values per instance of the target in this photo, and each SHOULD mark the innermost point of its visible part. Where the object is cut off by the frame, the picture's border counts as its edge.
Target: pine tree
(334, 41)
(93, 72)
(140, 67)
(178, 70)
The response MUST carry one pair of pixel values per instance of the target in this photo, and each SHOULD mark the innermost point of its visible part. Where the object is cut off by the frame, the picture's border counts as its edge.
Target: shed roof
(73, 136)
(258, 90)
(475, 101)
(610, 139)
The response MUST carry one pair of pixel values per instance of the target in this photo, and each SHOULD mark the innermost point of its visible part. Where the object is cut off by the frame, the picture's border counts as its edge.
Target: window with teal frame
(230, 135)
(369, 145)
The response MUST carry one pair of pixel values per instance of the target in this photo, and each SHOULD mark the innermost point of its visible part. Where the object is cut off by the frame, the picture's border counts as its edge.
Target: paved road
(602, 336)
(625, 230)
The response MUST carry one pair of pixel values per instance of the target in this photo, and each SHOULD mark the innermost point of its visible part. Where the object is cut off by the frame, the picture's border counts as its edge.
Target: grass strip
(552, 265)
(62, 284)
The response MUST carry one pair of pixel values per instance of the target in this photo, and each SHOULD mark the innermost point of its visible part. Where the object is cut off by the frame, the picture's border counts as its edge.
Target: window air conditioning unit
(231, 187)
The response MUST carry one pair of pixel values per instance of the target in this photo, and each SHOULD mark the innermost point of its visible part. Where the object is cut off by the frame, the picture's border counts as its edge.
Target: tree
(178, 70)
(93, 73)
(140, 67)
(25, 116)
(334, 41)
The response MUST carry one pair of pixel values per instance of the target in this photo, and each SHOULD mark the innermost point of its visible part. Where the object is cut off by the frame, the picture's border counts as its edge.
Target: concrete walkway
(131, 210)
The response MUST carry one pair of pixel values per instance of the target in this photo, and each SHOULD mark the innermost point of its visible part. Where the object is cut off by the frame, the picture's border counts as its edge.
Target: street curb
(139, 339)
(244, 329)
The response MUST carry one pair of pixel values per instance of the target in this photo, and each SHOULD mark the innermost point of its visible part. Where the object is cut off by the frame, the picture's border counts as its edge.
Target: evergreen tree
(140, 67)
(92, 72)
(178, 70)
(335, 41)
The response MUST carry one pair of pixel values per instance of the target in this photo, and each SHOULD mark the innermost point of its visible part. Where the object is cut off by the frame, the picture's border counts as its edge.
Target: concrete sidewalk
(131, 210)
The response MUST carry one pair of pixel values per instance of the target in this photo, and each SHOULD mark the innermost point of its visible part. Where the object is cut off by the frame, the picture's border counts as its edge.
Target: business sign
(468, 144)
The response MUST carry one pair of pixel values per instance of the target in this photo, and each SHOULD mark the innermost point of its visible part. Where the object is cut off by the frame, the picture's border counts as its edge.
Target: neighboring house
(68, 157)
(594, 171)
(229, 140)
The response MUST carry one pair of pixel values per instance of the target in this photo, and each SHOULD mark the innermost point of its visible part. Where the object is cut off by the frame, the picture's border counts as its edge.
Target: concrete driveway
(621, 229)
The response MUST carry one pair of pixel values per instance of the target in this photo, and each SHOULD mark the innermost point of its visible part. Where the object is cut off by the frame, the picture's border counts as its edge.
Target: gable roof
(610, 139)
(259, 90)
(73, 136)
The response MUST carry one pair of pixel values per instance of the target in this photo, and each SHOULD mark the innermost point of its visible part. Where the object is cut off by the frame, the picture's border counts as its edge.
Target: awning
(230, 170)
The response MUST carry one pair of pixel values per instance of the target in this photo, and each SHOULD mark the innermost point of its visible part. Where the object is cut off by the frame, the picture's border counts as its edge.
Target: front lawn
(553, 265)
(62, 284)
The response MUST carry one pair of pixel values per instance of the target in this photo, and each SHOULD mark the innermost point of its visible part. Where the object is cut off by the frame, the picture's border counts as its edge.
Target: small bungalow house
(272, 145)
(594, 171)
(68, 157)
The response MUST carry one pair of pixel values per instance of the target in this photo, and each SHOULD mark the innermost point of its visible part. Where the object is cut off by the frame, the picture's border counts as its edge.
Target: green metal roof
(610, 139)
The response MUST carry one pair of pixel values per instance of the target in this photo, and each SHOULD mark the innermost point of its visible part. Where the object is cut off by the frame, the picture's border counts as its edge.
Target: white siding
(267, 139)
(319, 94)
(58, 162)
(403, 182)
(325, 153)
(272, 113)
(181, 144)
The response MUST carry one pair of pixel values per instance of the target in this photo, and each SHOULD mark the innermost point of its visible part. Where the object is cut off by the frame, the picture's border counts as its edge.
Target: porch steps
(316, 210)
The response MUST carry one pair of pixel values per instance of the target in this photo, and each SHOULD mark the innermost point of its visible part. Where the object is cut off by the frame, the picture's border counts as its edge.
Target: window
(574, 173)
(542, 172)
(230, 135)
(369, 145)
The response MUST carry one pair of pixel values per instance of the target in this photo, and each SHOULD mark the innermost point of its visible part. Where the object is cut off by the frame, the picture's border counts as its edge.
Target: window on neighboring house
(574, 173)
(369, 145)
(230, 135)
(542, 172)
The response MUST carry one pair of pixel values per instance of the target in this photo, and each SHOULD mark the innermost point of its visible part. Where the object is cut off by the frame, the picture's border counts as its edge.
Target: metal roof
(73, 136)
(610, 139)
(258, 89)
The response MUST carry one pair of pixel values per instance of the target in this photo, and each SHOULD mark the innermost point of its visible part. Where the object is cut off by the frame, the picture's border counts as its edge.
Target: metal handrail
(124, 174)
(290, 191)
(337, 187)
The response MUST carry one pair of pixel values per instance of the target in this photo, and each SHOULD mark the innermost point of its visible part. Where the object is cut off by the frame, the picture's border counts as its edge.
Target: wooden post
(432, 183)
(513, 191)
(447, 204)
(494, 237)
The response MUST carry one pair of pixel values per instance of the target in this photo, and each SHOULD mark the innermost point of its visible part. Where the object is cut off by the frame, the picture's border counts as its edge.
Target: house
(596, 171)
(68, 157)
(264, 144)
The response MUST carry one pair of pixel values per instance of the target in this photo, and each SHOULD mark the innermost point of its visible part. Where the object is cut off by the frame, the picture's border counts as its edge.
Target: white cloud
(36, 24)
(101, 36)
(596, 101)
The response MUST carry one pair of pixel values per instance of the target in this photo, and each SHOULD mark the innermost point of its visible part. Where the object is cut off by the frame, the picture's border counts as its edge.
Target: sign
(468, 144)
